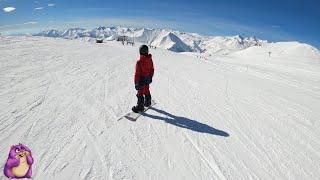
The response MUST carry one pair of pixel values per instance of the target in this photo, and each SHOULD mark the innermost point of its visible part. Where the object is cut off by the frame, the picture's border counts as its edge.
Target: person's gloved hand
(137, 86)
(148, 80)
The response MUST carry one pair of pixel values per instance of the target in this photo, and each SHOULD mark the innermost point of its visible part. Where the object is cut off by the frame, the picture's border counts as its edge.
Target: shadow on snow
(186, 123)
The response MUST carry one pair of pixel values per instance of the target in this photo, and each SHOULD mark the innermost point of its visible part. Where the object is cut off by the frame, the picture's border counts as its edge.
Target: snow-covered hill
(163, 38)
(246, 115)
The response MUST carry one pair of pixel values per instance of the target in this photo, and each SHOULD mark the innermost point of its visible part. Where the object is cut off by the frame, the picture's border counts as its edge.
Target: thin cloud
(9, 9)
(18, 26)
(133, 22)
(51, 5)
(38, 8)
(31, 22)
(275, 26)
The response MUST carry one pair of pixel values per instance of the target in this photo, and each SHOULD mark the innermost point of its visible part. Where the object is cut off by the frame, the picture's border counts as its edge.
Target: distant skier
(142, 78)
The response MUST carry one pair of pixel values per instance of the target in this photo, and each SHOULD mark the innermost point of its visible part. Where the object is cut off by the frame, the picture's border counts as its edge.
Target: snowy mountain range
(162, 38)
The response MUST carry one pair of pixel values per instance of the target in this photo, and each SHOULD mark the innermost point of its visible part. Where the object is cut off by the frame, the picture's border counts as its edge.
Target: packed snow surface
(247, 115)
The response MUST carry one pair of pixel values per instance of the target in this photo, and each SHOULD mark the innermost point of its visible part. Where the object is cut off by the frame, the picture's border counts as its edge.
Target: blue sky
(274, 20)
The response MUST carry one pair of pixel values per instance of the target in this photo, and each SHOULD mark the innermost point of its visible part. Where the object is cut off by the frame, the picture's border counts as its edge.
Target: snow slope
(163, 38)
(241, 116)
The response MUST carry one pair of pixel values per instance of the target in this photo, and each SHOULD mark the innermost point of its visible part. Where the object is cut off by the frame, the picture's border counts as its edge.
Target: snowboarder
(142, 78)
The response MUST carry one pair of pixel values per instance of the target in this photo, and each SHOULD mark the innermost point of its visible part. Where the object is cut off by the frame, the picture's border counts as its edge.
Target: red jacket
(144, 68)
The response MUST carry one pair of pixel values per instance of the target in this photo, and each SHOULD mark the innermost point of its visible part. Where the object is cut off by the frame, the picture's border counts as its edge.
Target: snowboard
(132, 116)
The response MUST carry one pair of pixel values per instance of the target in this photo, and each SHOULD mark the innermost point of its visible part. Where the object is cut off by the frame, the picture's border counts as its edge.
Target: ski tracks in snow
(62, 98)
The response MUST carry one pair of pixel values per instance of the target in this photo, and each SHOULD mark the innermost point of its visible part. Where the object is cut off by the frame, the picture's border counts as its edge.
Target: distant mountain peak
(101, 28)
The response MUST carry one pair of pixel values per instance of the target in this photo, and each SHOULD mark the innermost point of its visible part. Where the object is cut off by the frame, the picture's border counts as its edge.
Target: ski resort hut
(130, 41)
(122, 38)
(99, 40)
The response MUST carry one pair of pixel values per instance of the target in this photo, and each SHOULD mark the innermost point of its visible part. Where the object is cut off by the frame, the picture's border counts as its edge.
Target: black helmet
(144, 50)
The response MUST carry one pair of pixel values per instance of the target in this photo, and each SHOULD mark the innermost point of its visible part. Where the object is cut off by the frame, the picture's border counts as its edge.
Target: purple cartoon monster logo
(19, 163)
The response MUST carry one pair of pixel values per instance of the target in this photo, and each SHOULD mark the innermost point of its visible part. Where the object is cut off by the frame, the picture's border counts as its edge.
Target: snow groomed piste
(245, 115)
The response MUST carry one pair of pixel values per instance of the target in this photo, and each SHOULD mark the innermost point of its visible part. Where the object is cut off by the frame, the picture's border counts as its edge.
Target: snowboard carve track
(94, 141)
(212, 165)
